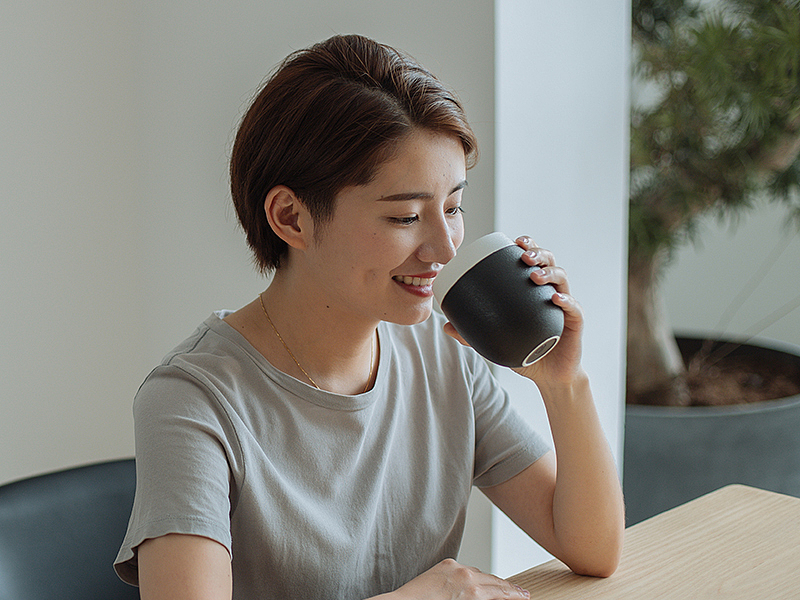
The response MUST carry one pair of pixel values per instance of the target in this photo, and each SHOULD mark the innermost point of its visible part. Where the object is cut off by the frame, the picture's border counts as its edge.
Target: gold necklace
(299, 366)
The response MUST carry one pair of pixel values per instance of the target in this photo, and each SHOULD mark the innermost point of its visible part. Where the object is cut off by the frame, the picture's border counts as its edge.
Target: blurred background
(748, 273)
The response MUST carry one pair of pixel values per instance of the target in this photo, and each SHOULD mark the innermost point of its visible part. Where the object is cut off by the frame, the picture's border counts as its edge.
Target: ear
(288, 217)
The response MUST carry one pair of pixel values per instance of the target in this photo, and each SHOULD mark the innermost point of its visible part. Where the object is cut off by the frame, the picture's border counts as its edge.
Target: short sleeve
(504, 443)
(184, 447)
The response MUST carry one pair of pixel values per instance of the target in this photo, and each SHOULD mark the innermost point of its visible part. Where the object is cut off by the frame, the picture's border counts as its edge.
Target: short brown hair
(327, 119)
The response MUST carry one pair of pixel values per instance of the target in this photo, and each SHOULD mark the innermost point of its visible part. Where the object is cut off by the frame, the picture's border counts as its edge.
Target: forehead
(423, 161)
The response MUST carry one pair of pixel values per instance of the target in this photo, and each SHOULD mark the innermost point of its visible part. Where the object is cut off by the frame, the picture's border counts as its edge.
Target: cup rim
(466, 258)
(541, 350)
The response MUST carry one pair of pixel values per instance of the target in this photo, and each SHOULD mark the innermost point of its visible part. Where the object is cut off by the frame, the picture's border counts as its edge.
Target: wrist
(573, 384)
(394, 595)
(572, 390)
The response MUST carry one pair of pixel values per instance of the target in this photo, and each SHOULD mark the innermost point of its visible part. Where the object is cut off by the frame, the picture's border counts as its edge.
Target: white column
(561, 177)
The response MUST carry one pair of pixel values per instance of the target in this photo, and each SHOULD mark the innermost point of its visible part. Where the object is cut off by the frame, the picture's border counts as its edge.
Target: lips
(414, 280)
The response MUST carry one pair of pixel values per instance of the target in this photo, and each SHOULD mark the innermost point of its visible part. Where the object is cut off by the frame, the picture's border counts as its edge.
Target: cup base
(541, 350)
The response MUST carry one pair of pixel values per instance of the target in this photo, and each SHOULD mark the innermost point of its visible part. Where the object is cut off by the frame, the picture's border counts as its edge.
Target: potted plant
(719, 128)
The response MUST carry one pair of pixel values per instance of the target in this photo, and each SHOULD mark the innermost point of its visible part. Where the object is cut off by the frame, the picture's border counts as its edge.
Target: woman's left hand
(563, 362)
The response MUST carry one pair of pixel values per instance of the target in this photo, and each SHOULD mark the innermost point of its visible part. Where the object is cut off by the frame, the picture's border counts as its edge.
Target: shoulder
(196, 374)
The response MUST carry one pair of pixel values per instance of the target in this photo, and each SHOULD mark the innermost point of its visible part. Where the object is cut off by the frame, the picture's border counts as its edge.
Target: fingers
(573, 312)
(525, 242)
(451, 331)
(555, 276)
(449, 580)
(564, 361)
(548, 271)
(469, 582)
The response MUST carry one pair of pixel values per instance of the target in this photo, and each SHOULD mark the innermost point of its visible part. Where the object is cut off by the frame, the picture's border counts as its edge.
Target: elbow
(598, 569)
(601, 561)
(603, 554)
(601, 567)
(594, 547)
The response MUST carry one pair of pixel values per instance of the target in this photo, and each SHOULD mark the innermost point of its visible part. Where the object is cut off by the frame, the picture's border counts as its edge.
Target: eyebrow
(419, 195)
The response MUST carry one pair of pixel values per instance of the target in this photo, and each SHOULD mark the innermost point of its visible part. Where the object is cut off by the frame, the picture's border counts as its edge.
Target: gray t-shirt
(318, 495)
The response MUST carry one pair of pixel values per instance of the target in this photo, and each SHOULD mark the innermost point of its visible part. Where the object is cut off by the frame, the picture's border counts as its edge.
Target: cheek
(381, 246)
(368, 255)
(457, 233)
(383, 254)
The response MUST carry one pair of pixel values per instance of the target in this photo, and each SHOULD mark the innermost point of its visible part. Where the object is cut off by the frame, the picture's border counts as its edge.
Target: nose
(441, 242)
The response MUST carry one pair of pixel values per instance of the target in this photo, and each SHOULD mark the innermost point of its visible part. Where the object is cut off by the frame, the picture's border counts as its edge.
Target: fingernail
(524, 239)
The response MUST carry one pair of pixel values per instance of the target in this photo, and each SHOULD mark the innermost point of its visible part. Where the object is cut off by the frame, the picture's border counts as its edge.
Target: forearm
(588, 510)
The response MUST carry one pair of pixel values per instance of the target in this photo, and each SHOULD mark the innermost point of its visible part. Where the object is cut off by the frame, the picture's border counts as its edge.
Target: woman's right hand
(450, 580)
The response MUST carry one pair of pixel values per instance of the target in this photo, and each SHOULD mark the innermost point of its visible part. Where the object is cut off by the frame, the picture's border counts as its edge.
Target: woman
(322, 441)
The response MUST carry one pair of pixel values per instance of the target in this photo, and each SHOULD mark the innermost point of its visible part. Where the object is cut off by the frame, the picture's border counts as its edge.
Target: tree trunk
(655, 373)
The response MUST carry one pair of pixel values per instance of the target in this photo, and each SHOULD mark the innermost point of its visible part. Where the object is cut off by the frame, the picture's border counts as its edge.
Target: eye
(404, 220)
(455, 210)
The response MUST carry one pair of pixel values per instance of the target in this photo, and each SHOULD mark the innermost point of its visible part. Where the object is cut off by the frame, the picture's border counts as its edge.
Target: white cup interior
(541, 350)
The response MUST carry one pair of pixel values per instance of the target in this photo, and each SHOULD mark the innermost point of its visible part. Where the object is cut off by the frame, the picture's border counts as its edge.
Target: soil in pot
(730, 373)
(727, 373)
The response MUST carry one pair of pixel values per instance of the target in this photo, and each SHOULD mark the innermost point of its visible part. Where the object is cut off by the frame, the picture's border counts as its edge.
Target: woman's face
(388, 239)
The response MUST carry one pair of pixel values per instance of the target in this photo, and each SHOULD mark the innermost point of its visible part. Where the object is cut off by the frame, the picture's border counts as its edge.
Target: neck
(337, 350)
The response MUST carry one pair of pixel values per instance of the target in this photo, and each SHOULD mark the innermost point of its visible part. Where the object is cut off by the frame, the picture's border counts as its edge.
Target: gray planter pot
(673, 455)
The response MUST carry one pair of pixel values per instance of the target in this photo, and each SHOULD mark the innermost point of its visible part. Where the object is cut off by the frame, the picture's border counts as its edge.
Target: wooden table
(736, 542)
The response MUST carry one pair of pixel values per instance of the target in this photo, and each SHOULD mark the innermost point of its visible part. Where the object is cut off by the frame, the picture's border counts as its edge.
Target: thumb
(451, 331)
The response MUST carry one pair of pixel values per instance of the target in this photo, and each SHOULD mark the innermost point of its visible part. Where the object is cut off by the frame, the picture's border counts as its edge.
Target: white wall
(561, 177)
(116, 235)
(741, 280)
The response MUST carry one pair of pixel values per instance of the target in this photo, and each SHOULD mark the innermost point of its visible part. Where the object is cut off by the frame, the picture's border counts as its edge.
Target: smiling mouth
(418, 281)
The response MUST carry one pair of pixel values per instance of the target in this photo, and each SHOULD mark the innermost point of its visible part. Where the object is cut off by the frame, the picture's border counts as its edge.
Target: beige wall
(71, 277)
(116, 235)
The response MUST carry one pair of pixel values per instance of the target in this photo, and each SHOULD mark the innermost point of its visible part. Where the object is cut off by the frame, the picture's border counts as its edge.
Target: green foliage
(724, 124)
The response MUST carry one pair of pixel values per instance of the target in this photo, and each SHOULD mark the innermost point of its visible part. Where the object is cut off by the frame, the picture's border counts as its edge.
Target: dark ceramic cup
(487, 294)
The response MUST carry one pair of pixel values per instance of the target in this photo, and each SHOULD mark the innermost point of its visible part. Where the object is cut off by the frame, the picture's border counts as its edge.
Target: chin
(412, 317)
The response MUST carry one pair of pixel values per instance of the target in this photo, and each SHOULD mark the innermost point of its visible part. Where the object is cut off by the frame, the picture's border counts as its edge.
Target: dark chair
(60, 533)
